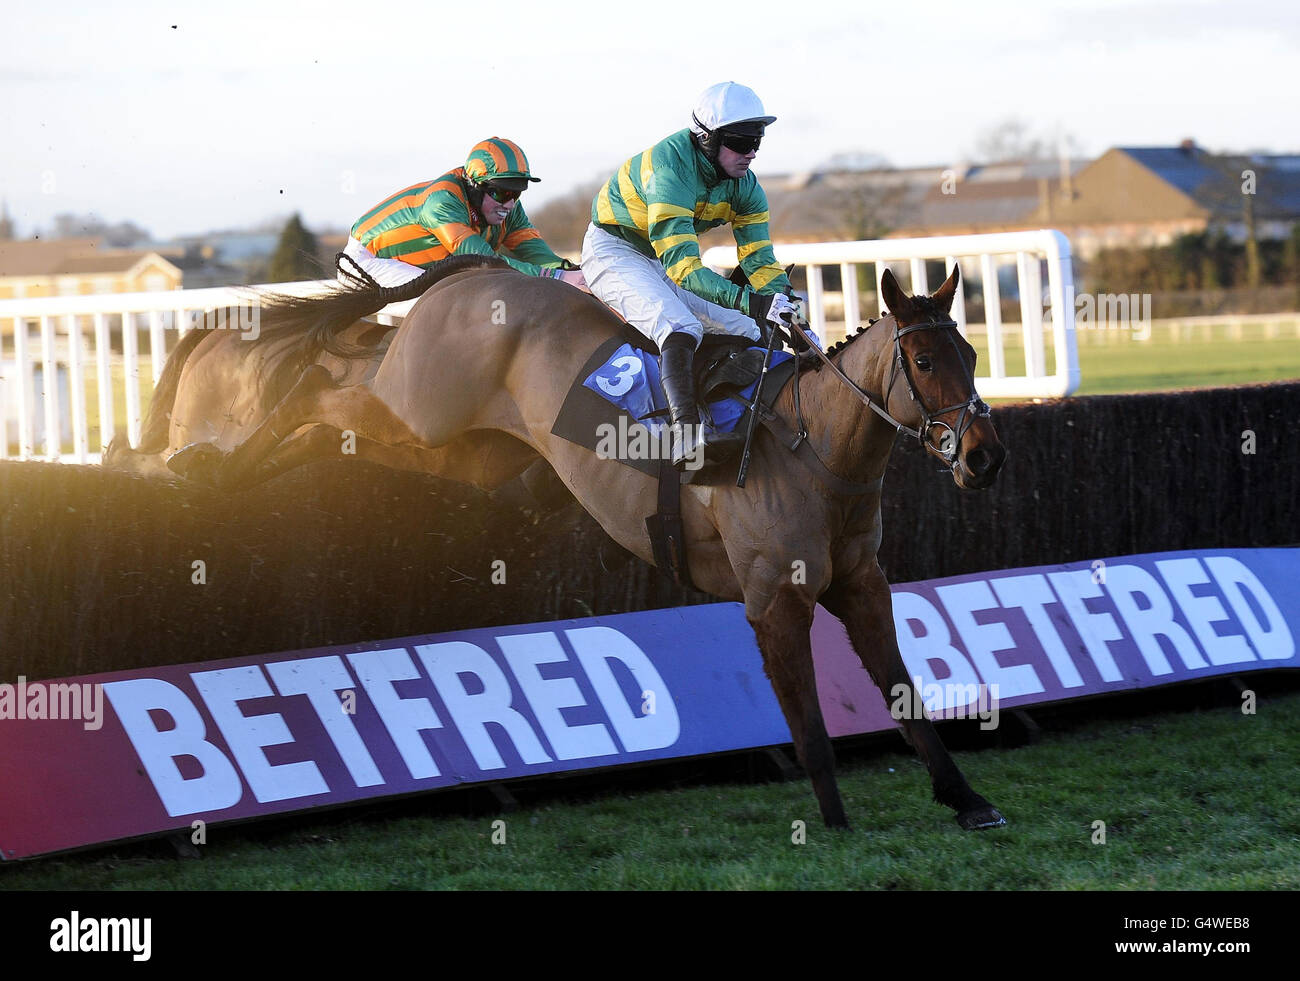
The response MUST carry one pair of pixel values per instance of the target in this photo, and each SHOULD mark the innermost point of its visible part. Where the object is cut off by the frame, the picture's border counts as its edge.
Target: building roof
(831, 203)
(67, 257)
(1188, 168)
(1182, 182)
(1215, 181)
(979, 203)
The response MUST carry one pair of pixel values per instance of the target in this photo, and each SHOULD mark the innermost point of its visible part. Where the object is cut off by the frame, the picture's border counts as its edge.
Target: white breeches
(638, 289)
(386, 272)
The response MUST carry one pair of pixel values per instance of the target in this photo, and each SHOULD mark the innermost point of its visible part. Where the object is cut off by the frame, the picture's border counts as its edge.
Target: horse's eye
(923, 363)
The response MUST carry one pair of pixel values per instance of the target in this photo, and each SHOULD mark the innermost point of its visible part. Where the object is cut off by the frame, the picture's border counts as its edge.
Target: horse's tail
(156, 432)
(295, 330)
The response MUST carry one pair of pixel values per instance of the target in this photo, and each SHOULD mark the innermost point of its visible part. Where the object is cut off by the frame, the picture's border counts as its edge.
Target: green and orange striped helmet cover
(497, 158)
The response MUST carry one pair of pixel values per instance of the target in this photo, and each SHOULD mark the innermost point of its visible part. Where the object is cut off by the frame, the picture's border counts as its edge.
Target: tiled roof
(1189, 169)
(60, 257)
(1215, 182)
(1006, 193)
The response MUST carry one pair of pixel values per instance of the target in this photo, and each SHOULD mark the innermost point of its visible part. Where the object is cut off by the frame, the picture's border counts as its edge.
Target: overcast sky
(185, 117)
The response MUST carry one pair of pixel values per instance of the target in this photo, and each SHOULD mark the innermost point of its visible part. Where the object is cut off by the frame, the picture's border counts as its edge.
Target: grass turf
(1194, 799)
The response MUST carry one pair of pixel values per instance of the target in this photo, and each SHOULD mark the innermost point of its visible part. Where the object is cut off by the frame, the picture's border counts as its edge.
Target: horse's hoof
(198, 462)
(980, 818)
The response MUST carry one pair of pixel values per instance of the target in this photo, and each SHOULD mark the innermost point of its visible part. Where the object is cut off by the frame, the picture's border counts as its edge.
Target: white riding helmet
(724, 105)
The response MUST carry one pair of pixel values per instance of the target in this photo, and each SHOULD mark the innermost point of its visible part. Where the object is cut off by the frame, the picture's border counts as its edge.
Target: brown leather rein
(974, 407)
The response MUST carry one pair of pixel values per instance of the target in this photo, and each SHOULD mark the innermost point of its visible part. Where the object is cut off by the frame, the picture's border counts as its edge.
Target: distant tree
(1013, 139)
(296, 255)
(868, 213)
(124, 234)
(856, 160)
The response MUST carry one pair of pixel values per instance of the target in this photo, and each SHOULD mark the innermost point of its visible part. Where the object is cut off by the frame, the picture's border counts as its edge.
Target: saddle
(724, 364)
(724, 368)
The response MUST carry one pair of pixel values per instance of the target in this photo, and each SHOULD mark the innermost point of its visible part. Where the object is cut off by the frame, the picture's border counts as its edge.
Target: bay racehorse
(470, 384)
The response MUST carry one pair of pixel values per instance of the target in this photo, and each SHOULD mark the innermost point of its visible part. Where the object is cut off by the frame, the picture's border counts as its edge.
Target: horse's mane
(296, 330)
(924, 305)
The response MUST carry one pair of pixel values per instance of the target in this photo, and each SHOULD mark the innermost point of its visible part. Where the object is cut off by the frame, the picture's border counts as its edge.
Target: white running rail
(60, 338)
(980, 256)
(48, 344)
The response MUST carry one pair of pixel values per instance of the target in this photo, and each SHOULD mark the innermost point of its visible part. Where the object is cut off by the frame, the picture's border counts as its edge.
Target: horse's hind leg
(783, 637)
(320, 442)
(484, 458)
(865, 606)
(314, 398)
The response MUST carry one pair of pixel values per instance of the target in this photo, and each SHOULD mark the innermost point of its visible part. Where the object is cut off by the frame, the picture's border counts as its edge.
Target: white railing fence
(72, 366)
(48, 345)
(981, 258)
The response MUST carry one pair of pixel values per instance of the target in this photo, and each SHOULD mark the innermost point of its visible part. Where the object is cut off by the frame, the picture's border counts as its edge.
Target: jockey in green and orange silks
(474, 209)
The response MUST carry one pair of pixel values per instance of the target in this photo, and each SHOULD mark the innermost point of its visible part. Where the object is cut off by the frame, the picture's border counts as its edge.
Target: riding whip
(755, 406)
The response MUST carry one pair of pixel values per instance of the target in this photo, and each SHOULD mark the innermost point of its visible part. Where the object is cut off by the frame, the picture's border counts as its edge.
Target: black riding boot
(692, 447)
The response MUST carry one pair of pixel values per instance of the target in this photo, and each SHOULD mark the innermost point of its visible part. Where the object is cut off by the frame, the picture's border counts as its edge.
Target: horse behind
(473, 380)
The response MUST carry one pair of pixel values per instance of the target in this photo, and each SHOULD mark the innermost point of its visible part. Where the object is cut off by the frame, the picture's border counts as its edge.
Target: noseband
(974, 407)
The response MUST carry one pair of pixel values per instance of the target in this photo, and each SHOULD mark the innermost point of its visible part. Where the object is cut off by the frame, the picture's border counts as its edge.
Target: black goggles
(741, 143)
(501, 195)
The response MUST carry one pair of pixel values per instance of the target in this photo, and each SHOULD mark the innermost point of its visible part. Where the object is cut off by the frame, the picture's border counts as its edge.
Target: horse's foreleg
(783, 637)
(865, 605)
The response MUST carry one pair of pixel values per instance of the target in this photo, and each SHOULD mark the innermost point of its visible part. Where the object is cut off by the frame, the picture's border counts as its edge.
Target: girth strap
(667, 534)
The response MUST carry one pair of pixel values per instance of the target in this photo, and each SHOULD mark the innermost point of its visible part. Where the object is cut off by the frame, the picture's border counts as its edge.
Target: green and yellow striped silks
(660, 201)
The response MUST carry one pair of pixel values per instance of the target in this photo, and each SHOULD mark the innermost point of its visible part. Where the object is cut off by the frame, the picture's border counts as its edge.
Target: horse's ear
(944, 295)
(896, 301)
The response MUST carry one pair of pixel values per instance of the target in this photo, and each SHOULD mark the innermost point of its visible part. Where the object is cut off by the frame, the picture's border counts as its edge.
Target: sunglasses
(500, 194)
(739, 143)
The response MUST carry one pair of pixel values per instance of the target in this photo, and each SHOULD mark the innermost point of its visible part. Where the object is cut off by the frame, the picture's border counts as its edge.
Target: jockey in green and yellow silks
(641, 254)
(472, 209)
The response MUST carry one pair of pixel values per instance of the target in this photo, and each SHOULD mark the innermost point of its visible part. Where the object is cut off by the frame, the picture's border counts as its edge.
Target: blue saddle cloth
(629, 379)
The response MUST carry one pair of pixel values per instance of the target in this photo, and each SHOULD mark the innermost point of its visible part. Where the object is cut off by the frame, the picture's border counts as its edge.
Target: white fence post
(157, 344)
(131, 376)
(1028, 249)
(920, 282)
(849, 287)
(77, 392)
(50, 390)
(23, 386)
(816, 304)
(104, 380)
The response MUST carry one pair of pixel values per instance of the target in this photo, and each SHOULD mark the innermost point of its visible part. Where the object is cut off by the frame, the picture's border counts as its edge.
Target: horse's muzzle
(978, 467)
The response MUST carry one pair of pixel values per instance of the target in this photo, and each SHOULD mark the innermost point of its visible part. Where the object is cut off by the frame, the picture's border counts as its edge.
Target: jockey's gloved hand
(770, 308)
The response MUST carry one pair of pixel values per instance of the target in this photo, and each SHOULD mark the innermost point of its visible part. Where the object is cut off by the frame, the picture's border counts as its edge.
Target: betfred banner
(252, 736)
(113, 756)
(976, 644)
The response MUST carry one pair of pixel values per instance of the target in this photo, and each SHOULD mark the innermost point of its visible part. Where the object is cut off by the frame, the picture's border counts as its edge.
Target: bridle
(973, 408)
